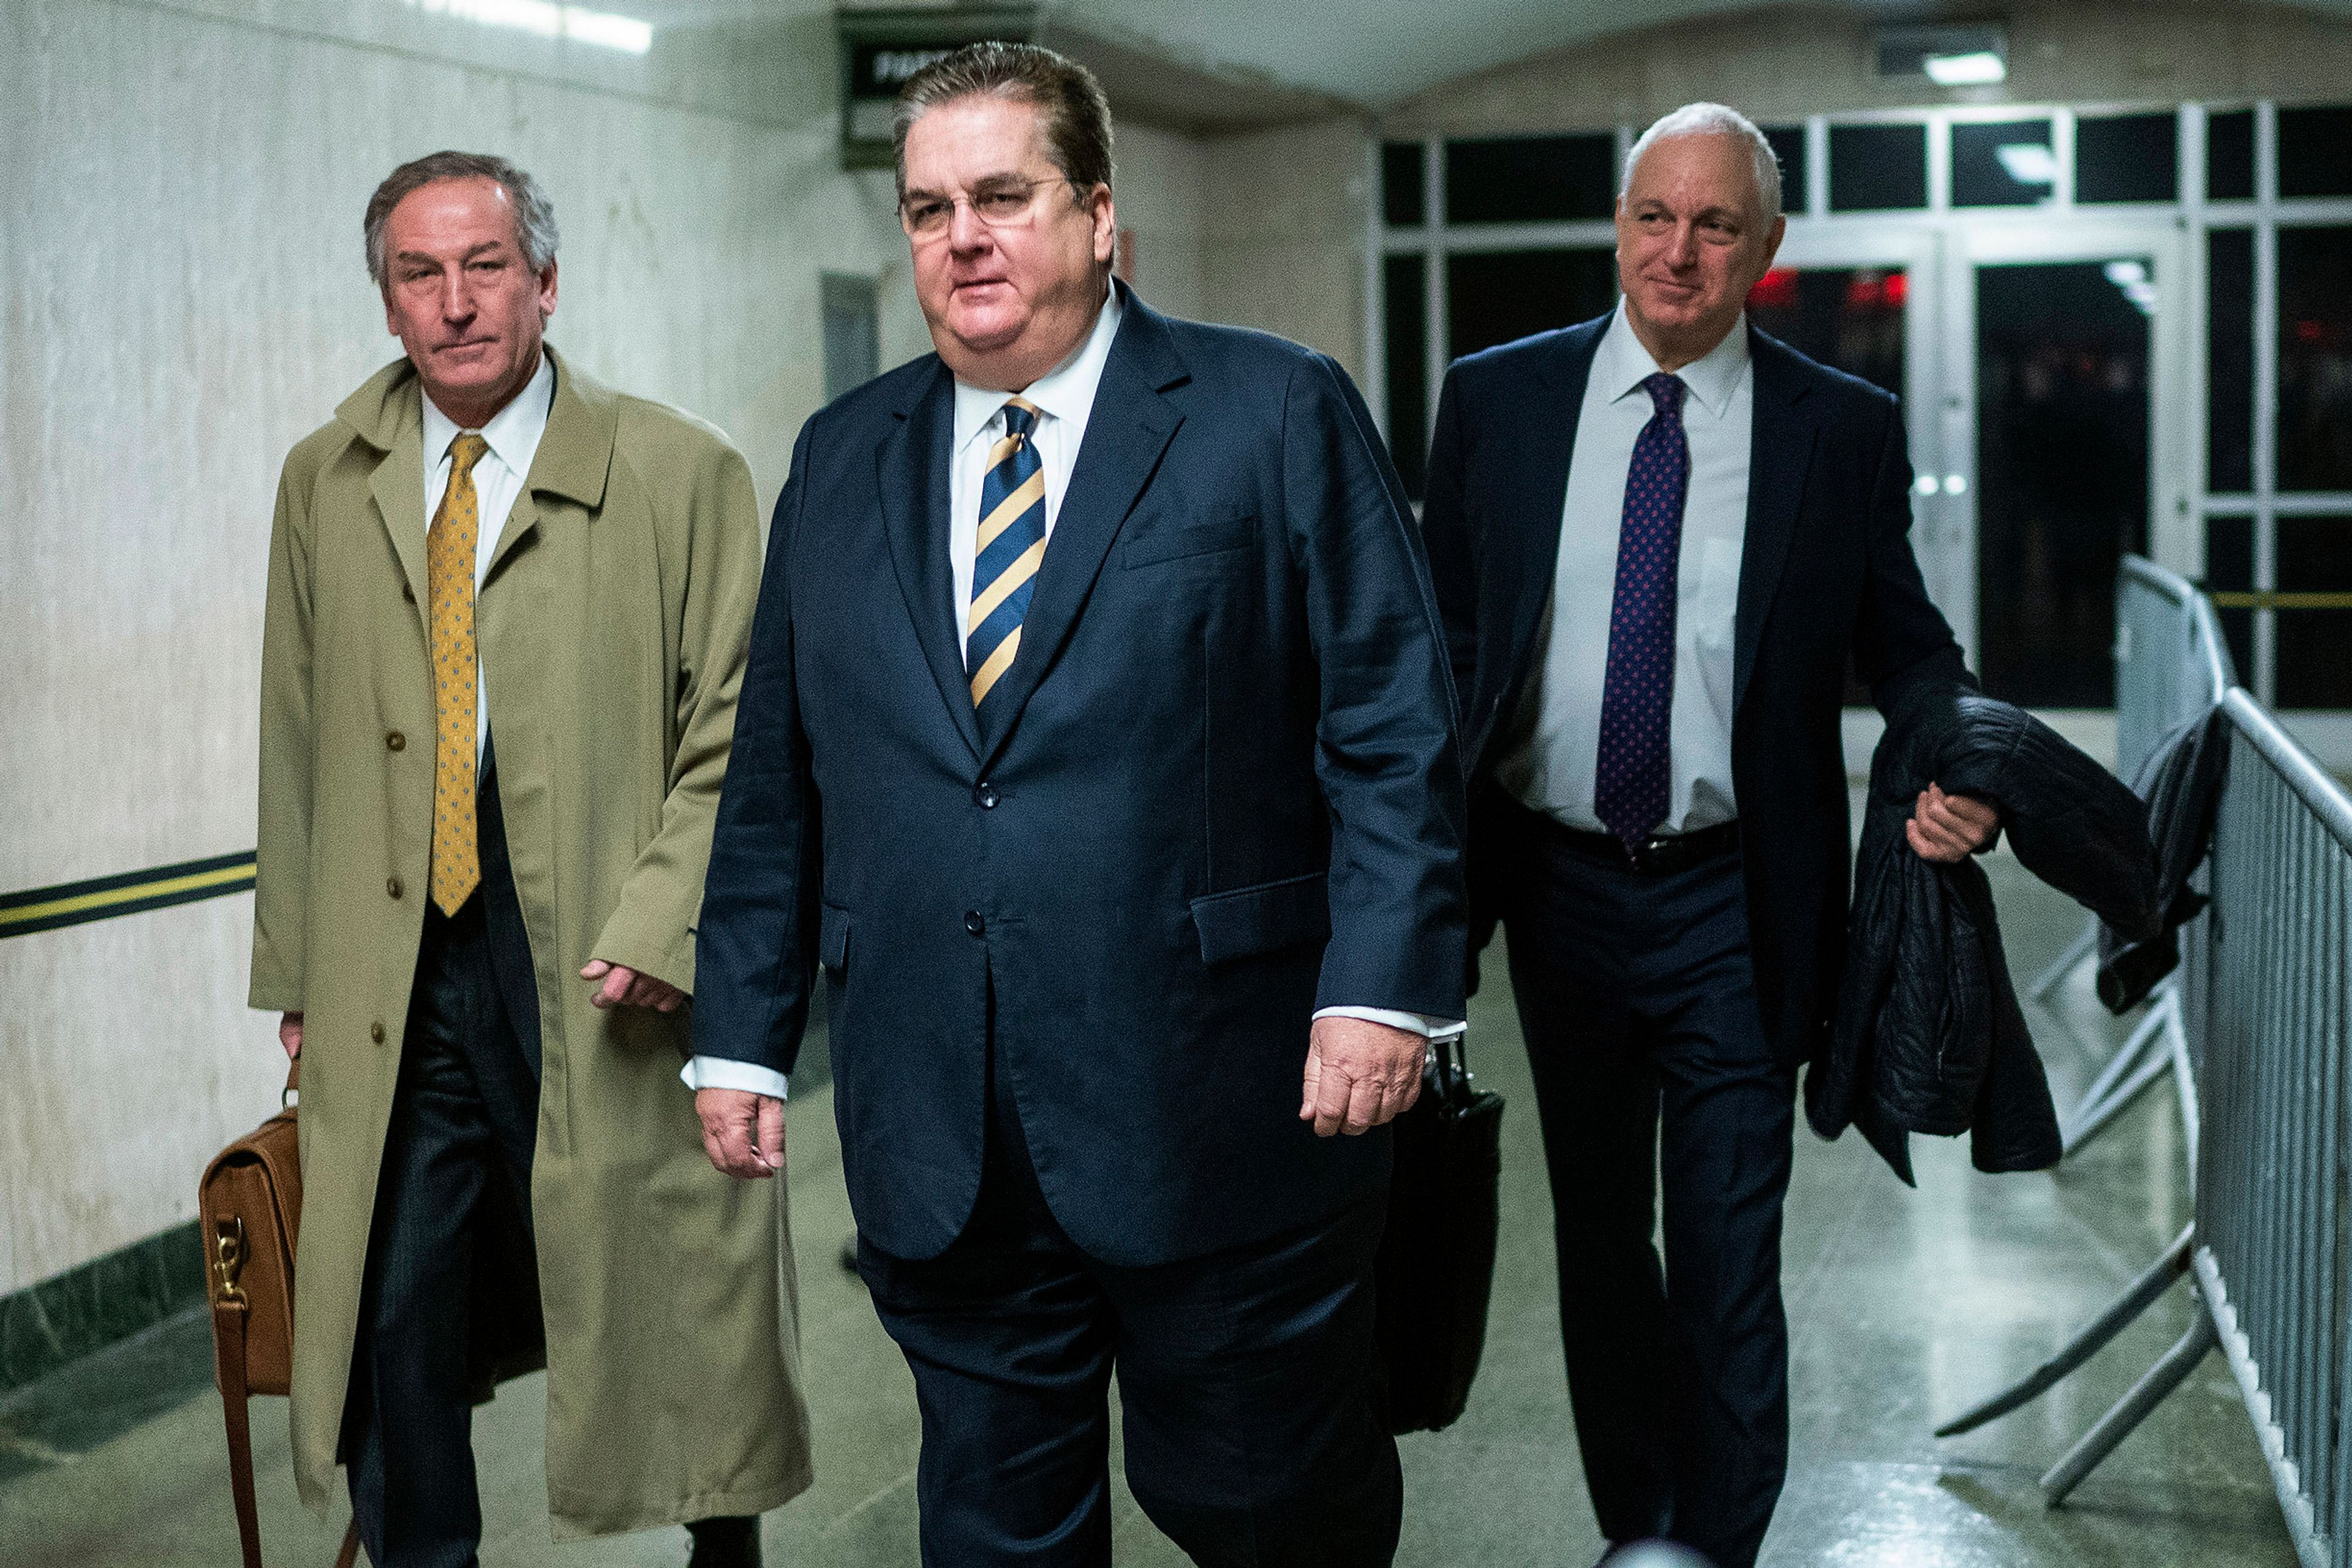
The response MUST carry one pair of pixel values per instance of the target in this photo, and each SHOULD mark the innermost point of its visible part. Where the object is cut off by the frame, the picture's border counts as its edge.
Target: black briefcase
(1436, 1268)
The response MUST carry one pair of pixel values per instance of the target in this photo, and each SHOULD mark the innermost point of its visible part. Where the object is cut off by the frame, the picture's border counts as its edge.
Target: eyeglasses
(999, 204)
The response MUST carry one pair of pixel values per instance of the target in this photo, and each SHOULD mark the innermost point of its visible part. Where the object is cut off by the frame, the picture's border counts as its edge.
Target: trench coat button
(985, 794)
(974, 923)
(376, 1031)
(392, 886)
(393, 741)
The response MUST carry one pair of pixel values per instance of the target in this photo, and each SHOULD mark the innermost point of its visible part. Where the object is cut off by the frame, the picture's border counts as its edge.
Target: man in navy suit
(1097, 743)
(1658, 539)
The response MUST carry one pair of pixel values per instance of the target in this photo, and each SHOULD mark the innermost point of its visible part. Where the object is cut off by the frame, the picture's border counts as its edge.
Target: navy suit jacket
(1223, 789)
(1826, 575)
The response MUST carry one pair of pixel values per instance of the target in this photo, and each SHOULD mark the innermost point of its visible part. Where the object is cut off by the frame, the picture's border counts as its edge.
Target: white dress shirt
(513, 434)
(1549, 761)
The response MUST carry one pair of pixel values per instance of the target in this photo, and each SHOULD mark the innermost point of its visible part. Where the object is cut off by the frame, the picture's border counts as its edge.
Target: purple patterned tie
(1633, 777)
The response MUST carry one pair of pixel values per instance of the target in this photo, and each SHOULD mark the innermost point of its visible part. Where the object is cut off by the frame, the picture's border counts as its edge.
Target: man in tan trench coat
(506, 624)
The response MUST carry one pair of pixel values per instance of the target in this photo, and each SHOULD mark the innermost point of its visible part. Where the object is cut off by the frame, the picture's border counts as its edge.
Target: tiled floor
(1906, 1306)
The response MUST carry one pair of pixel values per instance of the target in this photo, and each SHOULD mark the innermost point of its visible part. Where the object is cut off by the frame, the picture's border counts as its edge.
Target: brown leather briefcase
(249, 1206)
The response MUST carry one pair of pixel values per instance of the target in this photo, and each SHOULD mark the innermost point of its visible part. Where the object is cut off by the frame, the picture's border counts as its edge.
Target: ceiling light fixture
(549, 20)
(1981, 68)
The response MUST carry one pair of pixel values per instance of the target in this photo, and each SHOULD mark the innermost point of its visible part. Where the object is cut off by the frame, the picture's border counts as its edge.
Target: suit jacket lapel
(1780, 450)
(910, 470)
(398, 486)
(1537, 471)
(1127, 433)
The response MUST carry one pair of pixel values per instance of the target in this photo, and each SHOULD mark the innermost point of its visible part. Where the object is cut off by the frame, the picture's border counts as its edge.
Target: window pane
(2230, 156)
(1530, 179)
(2229, 361)
(2314, 390)
(2229, 569)
(1497, 298)
(2315, 556)
(2061, 474)
(2315, 153)
(1848, 318)
(1789, 147)
(2127, 158)
(2003, 163)
(1402, 198)
(1877, 168)
(1406, 317)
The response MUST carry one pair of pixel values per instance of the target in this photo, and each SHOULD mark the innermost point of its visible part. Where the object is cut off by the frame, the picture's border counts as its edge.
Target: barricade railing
(2259, 1023)
(2270, 1003)
(2172, 665)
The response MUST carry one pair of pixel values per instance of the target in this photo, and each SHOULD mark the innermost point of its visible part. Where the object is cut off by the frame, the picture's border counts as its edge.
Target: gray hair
(1714, 120)
(1075, 113)
(534, 214)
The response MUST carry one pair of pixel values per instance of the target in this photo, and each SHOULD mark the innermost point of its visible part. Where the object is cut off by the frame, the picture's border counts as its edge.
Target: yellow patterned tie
(449, 548)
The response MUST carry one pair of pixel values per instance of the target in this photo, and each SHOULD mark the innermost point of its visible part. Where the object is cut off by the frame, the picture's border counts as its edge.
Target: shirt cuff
(724, 1072)
(1419, 1023)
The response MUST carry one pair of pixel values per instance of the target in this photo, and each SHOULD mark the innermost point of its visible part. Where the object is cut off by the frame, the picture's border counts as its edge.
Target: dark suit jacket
(1225, 789)
(1826, 572)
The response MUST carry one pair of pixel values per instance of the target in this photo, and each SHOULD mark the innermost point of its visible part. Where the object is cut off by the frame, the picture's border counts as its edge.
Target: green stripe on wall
(103, 897)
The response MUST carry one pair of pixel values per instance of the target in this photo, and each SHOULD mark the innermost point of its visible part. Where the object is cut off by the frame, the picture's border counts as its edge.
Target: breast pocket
(1177, 539)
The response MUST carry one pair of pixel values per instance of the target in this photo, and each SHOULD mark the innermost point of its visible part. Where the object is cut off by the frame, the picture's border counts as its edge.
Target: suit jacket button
(392, 886)
(986, 795)
(974, 923)
(376, 1031)
(393, 741)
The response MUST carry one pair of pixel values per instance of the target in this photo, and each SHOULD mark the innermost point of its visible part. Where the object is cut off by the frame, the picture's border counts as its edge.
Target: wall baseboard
(103, 1302)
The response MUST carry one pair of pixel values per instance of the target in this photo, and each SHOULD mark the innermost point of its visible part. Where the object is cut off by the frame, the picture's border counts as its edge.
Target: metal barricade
(2259, 1018)
(2271, 998)
(2172, 665)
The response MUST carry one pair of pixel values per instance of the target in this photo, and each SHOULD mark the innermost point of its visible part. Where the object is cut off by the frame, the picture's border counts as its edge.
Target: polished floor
(1906, 1306)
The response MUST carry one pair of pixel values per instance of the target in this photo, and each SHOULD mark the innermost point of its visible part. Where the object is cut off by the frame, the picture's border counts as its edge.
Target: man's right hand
(289, 1034)
(742, 1132)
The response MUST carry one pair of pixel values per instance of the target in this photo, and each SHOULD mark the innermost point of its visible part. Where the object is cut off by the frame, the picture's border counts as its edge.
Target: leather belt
(1661, 854)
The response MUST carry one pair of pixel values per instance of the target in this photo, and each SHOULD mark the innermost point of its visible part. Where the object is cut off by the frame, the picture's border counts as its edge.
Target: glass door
(1864, 298)
(2060, 399)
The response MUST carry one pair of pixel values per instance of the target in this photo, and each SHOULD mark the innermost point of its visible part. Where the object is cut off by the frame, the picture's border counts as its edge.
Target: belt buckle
(1654, 854)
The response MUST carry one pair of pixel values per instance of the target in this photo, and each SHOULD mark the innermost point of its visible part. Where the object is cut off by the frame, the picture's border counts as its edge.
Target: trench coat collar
(575, 455)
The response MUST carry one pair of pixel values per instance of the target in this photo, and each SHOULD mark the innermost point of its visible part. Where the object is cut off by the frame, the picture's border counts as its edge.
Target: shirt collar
(1621, 364)
(1064, 392)
(513, 432)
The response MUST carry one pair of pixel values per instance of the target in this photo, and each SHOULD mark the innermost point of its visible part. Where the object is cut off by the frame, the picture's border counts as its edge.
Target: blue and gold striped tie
(1006, 553)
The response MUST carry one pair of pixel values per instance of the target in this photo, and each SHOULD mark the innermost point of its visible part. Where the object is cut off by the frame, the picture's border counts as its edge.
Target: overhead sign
(880, 49)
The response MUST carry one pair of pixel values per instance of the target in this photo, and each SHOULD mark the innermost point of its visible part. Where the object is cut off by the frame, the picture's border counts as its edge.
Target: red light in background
(1863, 291)
(2309, 331)
(1896, 289)
(1776, 290)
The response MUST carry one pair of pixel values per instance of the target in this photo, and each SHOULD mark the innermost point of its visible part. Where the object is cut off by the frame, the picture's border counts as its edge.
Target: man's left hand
(625, 987)
(1950, 828)
(1359, 1074)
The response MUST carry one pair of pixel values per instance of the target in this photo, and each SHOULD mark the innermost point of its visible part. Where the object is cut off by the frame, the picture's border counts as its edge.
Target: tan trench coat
(612, 627)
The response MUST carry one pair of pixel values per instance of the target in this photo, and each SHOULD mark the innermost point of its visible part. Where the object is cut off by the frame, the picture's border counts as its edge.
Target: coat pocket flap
(1250, 920)
(833, 937)
(1195, 536)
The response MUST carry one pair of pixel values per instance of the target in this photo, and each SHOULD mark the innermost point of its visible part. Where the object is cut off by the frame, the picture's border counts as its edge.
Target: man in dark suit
(1097, 742)
(1657, 539)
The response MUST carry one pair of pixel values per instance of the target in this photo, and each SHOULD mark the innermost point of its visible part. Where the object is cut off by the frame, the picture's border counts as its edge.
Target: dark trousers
(1244, 1379)
(457, 1171)
(1638, 1003)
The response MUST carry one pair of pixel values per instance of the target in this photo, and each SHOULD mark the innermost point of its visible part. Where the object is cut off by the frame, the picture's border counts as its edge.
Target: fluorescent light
(1975, 69)
(2124, 274)
(549, 20)
(2029, 162)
